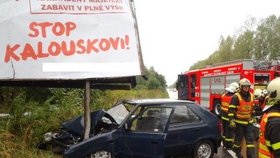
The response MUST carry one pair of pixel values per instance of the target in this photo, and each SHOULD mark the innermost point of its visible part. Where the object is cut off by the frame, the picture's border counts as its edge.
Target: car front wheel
(101, 154)
(203, 149)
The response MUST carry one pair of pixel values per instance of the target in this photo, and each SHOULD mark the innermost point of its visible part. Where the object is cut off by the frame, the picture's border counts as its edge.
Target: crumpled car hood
(76, 125)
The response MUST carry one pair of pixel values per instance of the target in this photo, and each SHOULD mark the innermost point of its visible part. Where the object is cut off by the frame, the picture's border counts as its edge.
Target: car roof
(156, 101)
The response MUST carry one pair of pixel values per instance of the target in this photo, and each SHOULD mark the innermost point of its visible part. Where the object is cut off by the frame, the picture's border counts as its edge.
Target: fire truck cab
(206, 86)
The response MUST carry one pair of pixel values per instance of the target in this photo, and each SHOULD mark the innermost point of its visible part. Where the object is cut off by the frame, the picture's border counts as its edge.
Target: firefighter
(241, 118)
(227, 131)
(269, 140)
(263, 99)
(258, 101)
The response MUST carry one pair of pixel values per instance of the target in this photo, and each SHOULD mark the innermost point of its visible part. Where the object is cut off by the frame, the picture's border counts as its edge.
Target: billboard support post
(87, 120)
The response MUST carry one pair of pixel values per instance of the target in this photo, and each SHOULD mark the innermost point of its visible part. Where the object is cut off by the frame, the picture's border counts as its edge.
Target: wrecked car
(72, 131)
(147, 128)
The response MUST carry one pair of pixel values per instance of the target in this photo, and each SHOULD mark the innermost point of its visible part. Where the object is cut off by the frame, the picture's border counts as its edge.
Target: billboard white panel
(89, 38)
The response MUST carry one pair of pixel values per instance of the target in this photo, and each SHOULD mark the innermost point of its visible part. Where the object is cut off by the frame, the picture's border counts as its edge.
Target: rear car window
(183, 114)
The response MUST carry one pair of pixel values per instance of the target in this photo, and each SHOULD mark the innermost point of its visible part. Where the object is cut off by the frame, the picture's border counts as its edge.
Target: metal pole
(133, 11)
(87, 110)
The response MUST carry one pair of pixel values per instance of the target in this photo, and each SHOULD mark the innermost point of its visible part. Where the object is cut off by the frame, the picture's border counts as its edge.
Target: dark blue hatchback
(151, 128)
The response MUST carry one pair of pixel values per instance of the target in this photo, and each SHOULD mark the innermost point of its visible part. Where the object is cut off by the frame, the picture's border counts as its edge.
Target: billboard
(68, 39)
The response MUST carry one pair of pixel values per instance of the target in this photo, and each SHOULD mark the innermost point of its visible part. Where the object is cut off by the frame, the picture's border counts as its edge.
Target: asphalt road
(222, 153)
(172, 92)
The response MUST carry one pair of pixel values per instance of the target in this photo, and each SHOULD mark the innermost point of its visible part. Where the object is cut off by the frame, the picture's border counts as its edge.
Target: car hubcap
(204, 151)
(101, 154)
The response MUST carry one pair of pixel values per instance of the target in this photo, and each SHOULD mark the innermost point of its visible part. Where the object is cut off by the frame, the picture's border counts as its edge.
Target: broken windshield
(120, 111)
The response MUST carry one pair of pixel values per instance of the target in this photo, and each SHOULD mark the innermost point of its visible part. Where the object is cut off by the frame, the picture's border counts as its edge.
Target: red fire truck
(205, 86)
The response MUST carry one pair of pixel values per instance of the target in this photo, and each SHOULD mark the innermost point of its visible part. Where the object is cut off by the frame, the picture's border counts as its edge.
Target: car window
(183, 114)
(150, 119)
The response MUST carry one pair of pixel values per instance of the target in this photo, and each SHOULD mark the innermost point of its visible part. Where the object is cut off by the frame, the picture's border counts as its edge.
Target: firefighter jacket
(226, 98)
(269, 140)
(241, 108)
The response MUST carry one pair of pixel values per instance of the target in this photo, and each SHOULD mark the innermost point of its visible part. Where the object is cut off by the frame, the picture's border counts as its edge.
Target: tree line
(259, 40)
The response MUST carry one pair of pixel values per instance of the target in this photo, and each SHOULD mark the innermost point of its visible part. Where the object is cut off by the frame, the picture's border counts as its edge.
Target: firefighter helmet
(264, 92)
(244, 82)
(233, 87)
(257, 93)
(273, 89)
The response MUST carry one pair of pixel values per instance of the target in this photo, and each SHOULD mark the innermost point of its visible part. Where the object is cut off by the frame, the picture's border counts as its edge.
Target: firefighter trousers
(227, 133)
(246, 131)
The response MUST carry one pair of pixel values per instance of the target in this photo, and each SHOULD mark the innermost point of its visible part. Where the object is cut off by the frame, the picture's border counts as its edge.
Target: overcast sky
(176, 34)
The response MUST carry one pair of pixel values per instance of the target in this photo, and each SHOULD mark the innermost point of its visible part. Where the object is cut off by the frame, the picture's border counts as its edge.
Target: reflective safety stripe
(236, 146)
(267, 143)
(250, 146)
(261, 146)
(264, 151)
(243, 122)
(243, 116)
(224, 109)
(230, 114)
(276, 146)
(225, 118)
(261, 139)
(263, 156)
(273, 114)
(232, 106)
(244, 112)
(228, 139)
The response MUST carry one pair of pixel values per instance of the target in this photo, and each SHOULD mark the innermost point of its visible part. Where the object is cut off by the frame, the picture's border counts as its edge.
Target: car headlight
(48, 136)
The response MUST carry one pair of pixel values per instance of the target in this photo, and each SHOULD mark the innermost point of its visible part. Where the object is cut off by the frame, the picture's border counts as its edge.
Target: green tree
(225, 49)
(253, 41)
(267, 40)
(152, 80)
(244, 46)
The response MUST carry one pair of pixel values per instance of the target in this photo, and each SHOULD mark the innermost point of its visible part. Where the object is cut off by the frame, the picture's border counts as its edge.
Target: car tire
(57, 149)
(101, 154)
(217, 108)
(203, 149)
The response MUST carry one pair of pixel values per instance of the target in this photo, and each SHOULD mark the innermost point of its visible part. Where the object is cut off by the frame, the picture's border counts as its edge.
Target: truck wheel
(217, 108)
